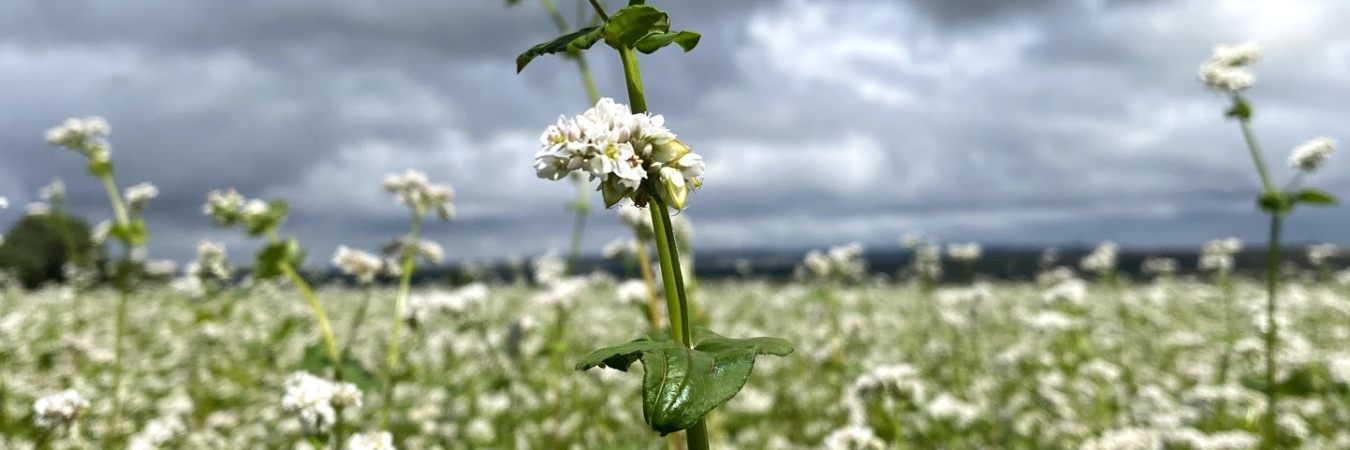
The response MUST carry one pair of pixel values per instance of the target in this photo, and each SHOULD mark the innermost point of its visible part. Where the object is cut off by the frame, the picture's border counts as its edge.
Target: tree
(36, 248)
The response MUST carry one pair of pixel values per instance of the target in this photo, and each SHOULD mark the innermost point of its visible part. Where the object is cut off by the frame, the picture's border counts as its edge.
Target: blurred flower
(1309, 155)
(59, 410)
(1224, 70)
(413, 189)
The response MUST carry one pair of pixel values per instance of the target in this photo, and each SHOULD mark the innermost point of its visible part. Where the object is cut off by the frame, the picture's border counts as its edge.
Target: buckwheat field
(277, 347)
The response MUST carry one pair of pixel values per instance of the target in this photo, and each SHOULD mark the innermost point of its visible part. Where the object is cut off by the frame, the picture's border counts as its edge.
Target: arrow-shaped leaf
(575, 41)
(680, 385)
(649, 44)
(1315, 197)
(633, 23)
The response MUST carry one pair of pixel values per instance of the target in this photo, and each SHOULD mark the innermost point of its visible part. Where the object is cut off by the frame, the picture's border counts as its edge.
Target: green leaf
(271, 257)
(680, 385)
(1241, 110)
(622, 356)
(632, 23)
(575, 41)
(316, 360)
(1302, 382)
(133, 234)
(687, 40)
(1275, 202)
(1315, 197)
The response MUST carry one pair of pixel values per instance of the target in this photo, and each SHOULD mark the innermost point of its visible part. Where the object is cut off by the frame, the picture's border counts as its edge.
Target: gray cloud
(822, 122)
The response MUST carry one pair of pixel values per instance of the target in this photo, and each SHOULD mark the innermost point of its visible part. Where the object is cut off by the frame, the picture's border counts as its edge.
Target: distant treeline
(1016, 264)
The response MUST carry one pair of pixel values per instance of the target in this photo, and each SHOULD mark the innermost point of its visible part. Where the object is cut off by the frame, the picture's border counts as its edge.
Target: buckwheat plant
(411, 189)
(1226, 72)
(86, 136)
(967, 255)
(582, 204)
(926, 263)
(635, 157)
(55, 414)
(1164, 269)
(283, 258)
(1320, 256)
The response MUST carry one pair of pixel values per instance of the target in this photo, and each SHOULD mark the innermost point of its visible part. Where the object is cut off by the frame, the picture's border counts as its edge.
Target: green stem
(118, 354)
(1271, 435)
(578, 225)
(633, 80)
(404, 285)
(119, 209)
(645, 268)
(325, 327)
(1254, 149)
(670, 268)
(356, 322)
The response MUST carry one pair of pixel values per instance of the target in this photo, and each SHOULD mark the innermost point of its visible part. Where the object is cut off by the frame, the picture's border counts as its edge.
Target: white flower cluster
(1102, 259)
(430, 251)
(927, 262)
(1320, 253)
(967, 253)
(225, 206)
(84, 136)
(854, 437)
(1309, 155)
(413, 189)
(59, 410)
(632, 293)
(157, 433)
(313, 399)
(362, 265)
(209, 265)
(422, 306)
(548, 268)
(625, 151)
(1225, 69)
(139, 195)
(1217, 255)
(842, 262)
(371, 441)
(53, 192)
(37, 209)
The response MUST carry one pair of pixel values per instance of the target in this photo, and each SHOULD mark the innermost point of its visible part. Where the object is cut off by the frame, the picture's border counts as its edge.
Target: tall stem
(669, 258)
(645, 267)
(1254, 149)
(676, 302)
(325, 328)
(404, 285)
(1271, 435)
(123, 289)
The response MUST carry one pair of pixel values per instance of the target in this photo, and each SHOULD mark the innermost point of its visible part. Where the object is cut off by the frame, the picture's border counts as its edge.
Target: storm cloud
(1041, 122)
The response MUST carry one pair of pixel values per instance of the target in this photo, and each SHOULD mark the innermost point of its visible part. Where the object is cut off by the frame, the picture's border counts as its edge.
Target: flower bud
(669, 151)
(673, 189)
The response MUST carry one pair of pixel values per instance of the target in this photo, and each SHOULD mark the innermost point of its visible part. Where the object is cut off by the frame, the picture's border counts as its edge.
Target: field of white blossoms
(1063, 363)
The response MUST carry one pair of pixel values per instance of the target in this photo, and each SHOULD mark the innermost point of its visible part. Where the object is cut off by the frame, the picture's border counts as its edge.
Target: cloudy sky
(822, 122)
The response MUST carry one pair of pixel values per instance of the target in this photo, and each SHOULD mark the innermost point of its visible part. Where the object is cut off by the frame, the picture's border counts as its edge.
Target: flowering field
(1068, 364)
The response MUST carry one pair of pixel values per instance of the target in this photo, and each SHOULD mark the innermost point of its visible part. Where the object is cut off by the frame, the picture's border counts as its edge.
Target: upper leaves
(1281, 203)
(680, 385)
(640, 27)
